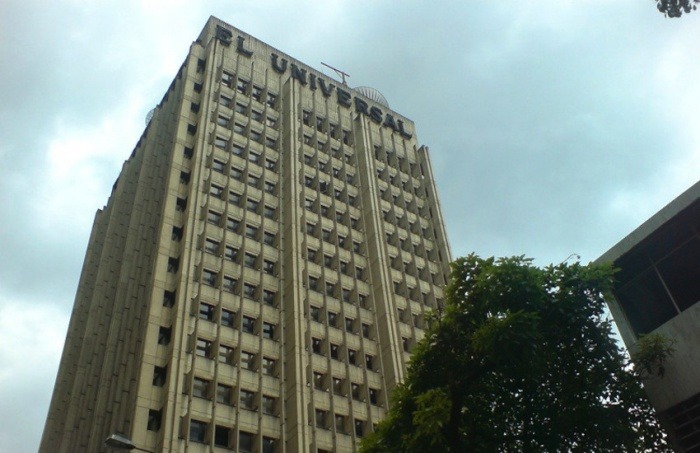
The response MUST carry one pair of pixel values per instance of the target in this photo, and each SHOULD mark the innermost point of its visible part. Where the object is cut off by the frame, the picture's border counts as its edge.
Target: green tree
(521, 358)
(676, 8)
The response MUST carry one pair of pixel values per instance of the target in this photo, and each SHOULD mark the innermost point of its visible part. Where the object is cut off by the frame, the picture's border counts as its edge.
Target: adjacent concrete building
(658, 290)
(262, 269)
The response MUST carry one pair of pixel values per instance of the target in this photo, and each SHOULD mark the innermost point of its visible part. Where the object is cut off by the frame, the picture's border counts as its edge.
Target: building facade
(658, 291)
(262, 269)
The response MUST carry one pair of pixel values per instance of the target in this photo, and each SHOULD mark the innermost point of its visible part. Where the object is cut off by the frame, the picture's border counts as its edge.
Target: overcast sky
(555, 127)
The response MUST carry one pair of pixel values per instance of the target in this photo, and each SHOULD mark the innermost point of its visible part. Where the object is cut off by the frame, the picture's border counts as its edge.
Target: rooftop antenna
(342, 74)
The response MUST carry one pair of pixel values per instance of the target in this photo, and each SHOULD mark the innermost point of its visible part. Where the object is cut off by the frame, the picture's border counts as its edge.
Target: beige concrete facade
(261, 271)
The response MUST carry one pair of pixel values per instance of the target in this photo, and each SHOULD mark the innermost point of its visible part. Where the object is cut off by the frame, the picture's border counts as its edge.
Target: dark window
(250, 290)
(248, 324)
(222, 436)
(209, 277)
(355, 391)
(227, 318)
(332, 318)
(247, 361)
(251, 231)
(316, 345)
(315, 313)
(211, 246)
(269, 404)
(335, 351)
(230, 284)
(269, 238)
(369, 361)
(359, 428)
(337, 386)
(352, 356)
(224, 393)
(226, 354)
(374, 396)
(159, 375)
(365, 330)
(154, 418)
(247, 399)
(250, 260)
(200, 388)
(230, 253)
(268, 330)
(349, 323)
(168, 298)
(232, 224)
(269, 297)
(245, 442)
(320, 418)
(198, 431)
(203, 348)
(269, 267)
(340, 423)
(214, 218)
(269, 366)
(269, 445)
(164, 335)
(319, 379)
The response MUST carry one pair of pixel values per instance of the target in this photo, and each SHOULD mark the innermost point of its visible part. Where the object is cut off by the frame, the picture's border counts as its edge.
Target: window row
(236, 199)
(246, 88)
(234, 225)
(235, 286)
(228, 318)
(321, 124)
(332, 289)
(339, 386)
(325, 165)
(332, 319)
(239, 174)
(245, 130)
(339, 352)
(398, 162)
(335, 263)
(340, 422)
(227, 354)
(239, 150)
(328, 236)
(249, 260)
(226, 394)
(223, 436)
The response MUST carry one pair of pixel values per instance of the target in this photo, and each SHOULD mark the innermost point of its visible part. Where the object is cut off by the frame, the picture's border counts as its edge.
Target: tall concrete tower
(262, 269)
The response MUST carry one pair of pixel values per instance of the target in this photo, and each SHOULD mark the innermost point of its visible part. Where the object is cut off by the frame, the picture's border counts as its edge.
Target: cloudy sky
(555, 127)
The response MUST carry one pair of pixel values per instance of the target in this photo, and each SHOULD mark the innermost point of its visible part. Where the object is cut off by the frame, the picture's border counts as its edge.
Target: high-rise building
(657, 291)
(262, 269)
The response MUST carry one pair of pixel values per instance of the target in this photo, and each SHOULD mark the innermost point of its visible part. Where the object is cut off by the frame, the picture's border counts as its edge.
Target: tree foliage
(520, 359)
(676, 8)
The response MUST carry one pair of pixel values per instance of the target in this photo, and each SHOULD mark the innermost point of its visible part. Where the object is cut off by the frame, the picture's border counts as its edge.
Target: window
(269, 366)
(226, 101)
(252, 205)
(250, 290)
(337, 386)
(164, 335)
(241, 108)
(251, 232)
(237, 173)
(269, 212)
(159, 375)
(315, 313)
(269, 238)
(269, 445)
(328, 261)
(198, 431)
(154, 418)
(330, 288)
(247, 399)
(228, 318)
(214, 218)
(238, 150)
(349, 323)
(222, 436)
(232, 224)
(197, 87)
(220, 142)
(359, 428)
(318, 381)
(311, 254)
(271, 100)
(332, 318)
(340, 423)
(257, 93)
(270, 187)
(269, 297)
(268, 330)
(200, 388)
(234, 198)
(270, 164)
(309, 204)
(269, 267)
(250, 260)
(168, 298)
(203, 348)
(227, 78)
(191, 129)
(242, 86)
(230, 284)
(311, 229)
(248, 324)
(209, 277)
(222, 120)
(269, 404)
(347, 295)
(230, 253)
(254, 157)
(247, 361)
(173, 264)
(256, 115)
(206, 311)
(320, 418)
(211, 246)
(369, 361)
(365, 330)
(355, 391)
(335, 351)
(177, 234)
(352, 356)
(224, 394)
(374, 396)
(216, 191)
(316, 345)
(226, 354)
(313, 283)
(245, 442)
(363, 300)
(406, 344)
(356, 247)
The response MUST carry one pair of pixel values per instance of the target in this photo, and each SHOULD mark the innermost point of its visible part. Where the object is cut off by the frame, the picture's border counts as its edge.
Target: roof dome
(373, 94)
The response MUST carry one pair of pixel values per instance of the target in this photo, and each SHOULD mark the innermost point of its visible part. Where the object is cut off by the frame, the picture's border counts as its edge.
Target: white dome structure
(374, 95)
